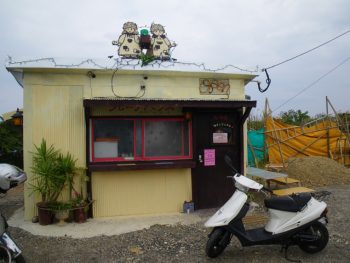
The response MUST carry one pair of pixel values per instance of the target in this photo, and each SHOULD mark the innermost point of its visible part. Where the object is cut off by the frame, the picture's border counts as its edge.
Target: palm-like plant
(52, 171)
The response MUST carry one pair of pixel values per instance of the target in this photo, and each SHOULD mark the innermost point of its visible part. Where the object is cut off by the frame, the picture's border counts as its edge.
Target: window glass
(163, 138)
(186, 138)
(140, 139)
(113, 138)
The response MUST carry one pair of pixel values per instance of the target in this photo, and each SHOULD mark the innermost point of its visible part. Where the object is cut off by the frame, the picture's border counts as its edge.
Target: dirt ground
(176, 243)
(317, 171)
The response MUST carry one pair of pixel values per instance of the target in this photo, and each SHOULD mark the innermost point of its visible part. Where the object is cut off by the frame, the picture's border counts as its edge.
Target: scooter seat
(290, 203)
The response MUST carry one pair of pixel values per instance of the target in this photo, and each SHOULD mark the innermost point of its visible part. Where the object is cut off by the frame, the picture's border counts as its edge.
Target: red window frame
(143, 157)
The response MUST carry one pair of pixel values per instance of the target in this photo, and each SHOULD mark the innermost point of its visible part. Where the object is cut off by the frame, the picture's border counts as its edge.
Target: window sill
(94, 167)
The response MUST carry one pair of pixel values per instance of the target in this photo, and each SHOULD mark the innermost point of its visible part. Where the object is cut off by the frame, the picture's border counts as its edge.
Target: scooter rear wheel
(321, 232)
(217, 242)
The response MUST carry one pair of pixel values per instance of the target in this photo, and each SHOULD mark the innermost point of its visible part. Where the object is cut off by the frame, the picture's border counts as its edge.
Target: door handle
(200, 158)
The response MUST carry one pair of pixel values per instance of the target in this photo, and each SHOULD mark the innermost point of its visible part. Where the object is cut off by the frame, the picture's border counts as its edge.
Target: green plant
(52, 171)
(77, 197)
(146, 59)
(60, 206)
(79, 200)
(255, 122)
(11, 144)
(295, 117)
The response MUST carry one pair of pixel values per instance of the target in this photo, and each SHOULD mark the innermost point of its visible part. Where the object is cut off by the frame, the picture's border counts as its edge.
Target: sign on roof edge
(141, 45)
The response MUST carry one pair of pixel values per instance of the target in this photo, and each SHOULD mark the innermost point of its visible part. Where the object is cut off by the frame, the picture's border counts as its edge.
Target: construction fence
(281, 141)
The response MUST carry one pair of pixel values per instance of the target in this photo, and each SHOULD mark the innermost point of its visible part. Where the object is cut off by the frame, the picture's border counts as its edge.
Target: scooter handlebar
(232, 176)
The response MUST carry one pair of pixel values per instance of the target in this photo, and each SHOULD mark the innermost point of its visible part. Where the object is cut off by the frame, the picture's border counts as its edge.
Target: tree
(11, 144)
(295, 117)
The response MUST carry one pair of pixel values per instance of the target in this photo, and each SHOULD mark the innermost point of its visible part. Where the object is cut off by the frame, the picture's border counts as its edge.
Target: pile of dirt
(318, 171)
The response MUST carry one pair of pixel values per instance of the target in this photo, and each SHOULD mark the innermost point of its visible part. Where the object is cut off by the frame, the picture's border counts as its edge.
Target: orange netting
(296, 141)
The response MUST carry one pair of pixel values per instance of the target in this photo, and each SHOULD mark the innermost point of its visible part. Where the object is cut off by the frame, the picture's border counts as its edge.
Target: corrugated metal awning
(191, 103)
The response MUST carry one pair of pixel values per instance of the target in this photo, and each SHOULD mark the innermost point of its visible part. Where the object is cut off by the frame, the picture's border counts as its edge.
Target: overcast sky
(239, 32)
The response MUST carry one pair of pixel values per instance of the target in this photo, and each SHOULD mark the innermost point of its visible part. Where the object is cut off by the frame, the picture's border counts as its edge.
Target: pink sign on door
(209, 157)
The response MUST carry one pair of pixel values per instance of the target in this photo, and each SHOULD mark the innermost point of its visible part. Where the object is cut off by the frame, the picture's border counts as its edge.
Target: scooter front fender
(228, 211)
(6, 241)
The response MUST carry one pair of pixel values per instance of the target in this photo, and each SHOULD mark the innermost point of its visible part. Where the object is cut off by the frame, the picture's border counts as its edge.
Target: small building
(151, 137)
(8, 115)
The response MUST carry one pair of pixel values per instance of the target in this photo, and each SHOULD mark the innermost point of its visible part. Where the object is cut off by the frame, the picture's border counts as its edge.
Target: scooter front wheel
(5, 255)
(321, 233)
(218, 241)
(20, 259)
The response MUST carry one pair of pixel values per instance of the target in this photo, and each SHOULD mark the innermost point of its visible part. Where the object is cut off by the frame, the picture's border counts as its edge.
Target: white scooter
(10, 176)
(298, 219)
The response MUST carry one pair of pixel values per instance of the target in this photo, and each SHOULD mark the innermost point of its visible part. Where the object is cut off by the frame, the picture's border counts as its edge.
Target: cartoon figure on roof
(128, 41)
(160, 43)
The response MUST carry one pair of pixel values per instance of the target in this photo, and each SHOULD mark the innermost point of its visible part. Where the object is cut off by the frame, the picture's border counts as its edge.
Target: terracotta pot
(79, 214)
(45, 215)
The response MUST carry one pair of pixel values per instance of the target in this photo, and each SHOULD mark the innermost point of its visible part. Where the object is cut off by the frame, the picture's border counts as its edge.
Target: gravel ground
(177, 243)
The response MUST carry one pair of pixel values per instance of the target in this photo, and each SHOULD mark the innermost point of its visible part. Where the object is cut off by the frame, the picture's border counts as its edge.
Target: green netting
(256, 139)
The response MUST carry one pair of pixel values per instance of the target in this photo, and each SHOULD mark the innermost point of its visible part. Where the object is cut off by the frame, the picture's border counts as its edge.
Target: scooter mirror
(228, 161)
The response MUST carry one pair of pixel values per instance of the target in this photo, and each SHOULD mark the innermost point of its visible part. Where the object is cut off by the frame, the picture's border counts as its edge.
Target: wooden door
(215, 134)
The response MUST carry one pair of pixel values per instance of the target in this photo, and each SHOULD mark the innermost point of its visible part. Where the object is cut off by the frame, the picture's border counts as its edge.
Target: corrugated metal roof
(160, 99)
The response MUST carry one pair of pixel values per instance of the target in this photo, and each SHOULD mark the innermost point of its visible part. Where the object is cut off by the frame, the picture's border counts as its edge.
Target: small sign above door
(220, 137)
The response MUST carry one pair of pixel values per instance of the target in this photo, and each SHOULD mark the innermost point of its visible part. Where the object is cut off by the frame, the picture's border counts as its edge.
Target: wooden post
(340, 122)
(264, 119)
(347, 145)
(253, 152)
(278, 143)
(328, 123)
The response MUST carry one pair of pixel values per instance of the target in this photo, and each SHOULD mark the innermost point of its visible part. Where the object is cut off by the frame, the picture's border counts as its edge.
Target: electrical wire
(313, 83)
(140, 94)
(308, 51)
(121, 62)
(268, 82)
(173, 62)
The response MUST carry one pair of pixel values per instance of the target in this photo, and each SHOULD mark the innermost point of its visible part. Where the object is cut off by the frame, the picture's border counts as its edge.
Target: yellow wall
(140, 192)
(53, 109)
(165, 87)
(56, 114)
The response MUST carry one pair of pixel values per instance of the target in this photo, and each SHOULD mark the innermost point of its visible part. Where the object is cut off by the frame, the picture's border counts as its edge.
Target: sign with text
(220, 137)
(209, 157)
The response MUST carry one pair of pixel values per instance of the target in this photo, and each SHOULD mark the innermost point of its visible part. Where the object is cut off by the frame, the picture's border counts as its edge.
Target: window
(140, 139)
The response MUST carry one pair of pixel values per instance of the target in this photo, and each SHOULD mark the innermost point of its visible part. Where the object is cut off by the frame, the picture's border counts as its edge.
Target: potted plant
(52, 171)
(80, 207)
(61, 210)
